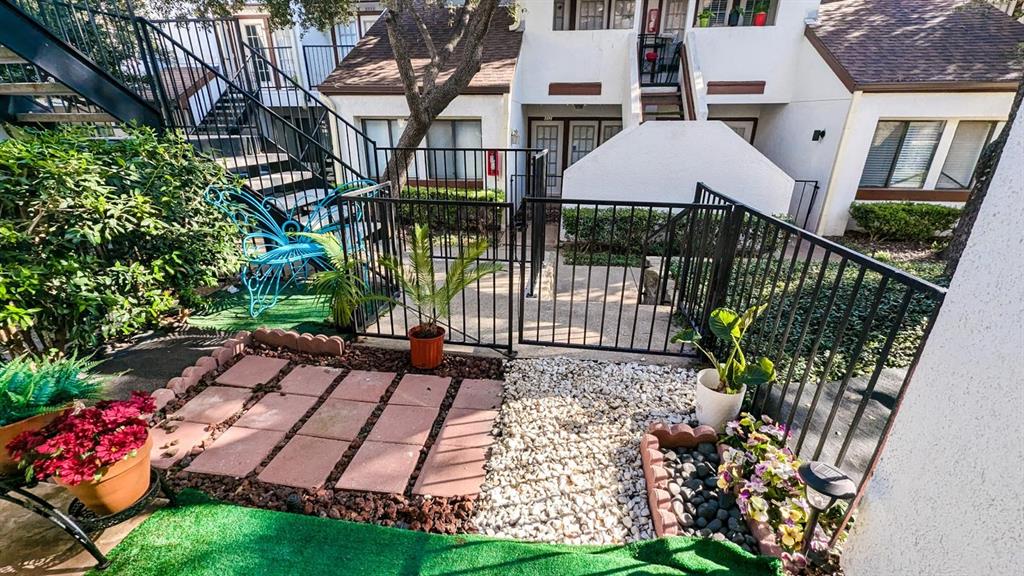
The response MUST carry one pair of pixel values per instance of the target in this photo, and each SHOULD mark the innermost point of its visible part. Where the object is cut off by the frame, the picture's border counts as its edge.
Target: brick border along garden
(356, 433)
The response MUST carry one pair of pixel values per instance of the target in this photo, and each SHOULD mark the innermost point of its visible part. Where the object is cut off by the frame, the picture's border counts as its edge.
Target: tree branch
(470, 65)
(432, 69)
(402, 60)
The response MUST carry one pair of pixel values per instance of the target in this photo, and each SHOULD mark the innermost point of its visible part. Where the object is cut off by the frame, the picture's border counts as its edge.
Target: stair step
(65, 117)
(271, 181)
(9, 57)
(35, 89)
(246, 161)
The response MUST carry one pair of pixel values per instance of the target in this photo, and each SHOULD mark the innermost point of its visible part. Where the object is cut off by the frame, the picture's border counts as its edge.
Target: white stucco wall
(663, 161)
(819, 102)
(751, 53)
(571, 56)
(948, 494)
(865, 111)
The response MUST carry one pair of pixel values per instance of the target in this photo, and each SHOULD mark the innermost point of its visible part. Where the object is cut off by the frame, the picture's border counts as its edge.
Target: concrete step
(65, 117)
(257, 164)
(282, 182)
(35, 89)
(9, 57)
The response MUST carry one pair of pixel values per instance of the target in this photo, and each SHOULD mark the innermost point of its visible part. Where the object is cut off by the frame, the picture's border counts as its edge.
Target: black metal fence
(615, 275)
(658, 59)
(481, 313)
(322, 59)
(805, 192)
(844, 330)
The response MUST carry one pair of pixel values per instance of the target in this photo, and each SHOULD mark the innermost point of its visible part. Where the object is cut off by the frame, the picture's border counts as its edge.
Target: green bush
(452, 217)
(915, 221)
(616, 230)
(99, 239)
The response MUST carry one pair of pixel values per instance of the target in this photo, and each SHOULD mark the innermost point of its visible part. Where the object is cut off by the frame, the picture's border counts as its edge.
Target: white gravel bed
(566, 466)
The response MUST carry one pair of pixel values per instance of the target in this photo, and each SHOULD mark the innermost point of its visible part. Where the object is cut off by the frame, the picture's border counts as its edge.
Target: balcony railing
(658, 59)
(321, 60)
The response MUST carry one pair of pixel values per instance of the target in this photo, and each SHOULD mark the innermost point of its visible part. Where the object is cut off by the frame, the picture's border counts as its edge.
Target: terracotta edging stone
(305, 342)
(179, 385)
(660, 435)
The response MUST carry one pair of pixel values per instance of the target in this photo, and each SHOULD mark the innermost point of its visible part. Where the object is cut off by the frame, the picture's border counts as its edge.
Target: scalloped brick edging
(179, 385)
(305, 342)
(659, 499)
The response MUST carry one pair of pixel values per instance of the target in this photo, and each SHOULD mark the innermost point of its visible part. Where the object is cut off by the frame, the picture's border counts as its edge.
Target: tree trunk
(983, 173)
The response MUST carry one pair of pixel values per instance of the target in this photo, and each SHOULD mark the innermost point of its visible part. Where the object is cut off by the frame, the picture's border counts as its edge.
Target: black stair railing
(658, 59)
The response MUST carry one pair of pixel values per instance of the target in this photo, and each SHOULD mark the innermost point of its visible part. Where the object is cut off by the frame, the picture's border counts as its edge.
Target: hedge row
(911, 221)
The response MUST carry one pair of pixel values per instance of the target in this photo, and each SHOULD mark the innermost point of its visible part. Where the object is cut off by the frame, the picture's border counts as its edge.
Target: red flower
(77, 445)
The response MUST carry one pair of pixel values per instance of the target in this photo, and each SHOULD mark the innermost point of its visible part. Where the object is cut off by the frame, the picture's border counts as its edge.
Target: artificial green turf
(295, 310)
(201, 537)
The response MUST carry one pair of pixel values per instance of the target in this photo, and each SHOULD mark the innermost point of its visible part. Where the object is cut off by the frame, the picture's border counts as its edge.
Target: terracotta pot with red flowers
(430, 300)
(760, 11)
(101, 454)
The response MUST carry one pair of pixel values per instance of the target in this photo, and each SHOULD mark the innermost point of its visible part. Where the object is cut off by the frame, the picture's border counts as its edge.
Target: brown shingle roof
(894, 45)
(370, 67)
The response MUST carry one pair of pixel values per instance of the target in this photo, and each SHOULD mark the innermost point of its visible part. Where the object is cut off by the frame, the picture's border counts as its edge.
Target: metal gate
(617, 276)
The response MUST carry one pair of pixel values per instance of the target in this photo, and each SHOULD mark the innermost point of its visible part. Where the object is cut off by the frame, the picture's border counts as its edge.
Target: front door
(256, 38)
(583, 138)
(673, 18)
(548, 135)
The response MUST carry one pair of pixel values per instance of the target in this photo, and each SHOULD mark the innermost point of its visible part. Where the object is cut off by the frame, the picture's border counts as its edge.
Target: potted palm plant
(431, 300)
(760, 12)
(34, 391)
(341, 289)
(101, 454)
(721, 389)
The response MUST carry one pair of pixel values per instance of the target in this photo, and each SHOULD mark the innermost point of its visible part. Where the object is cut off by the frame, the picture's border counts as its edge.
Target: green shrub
(916, 221)
(99, 239)
(29, 387)
(452, 217)
(616, 230)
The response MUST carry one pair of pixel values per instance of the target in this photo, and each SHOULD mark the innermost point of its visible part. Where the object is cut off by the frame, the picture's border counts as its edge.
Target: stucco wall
(663, 161)
(948, 495)
(571, 56)
(867, 109)
(819, 102)
(750, 53)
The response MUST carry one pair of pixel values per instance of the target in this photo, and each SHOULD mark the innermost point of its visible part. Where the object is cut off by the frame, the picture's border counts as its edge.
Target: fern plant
(31, 386)
(341, 289)
(432, 300)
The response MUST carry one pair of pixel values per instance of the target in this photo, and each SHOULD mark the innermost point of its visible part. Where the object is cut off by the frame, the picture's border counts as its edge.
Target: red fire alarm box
(652, 20)
(493, 165)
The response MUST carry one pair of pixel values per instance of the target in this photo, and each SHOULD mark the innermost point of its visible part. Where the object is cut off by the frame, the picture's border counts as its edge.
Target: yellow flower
(791, 535)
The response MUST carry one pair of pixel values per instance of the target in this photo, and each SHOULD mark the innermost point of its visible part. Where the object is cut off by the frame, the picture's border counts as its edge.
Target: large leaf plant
(735, 371)
(430, 299)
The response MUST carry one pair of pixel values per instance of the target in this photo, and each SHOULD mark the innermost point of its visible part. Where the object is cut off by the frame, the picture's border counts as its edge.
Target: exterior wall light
(818, 136)
(825, 484)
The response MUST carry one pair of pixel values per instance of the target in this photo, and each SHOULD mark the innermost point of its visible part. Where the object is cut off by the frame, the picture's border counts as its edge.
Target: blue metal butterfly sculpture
(274, 256)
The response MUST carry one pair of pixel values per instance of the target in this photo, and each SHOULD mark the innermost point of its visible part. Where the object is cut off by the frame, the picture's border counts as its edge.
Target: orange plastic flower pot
(121, 485)
(426, 353)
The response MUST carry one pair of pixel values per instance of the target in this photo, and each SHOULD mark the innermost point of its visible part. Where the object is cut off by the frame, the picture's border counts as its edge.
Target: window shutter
(968, 142)
(916, 154)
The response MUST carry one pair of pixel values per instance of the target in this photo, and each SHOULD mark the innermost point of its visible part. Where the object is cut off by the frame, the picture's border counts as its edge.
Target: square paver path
(236, 452)
(305, 462)
(380, 467)
(451, 470)
(309, 380)
(468, 428)
(252, 371)
(363, 386)
(276, 412)
(404, 424)
(171, 446)
(213, 405)
(479, 394)
(338, 419)
(420, 390)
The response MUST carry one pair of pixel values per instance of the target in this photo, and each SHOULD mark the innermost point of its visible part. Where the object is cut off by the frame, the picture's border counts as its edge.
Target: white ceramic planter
(714, 408)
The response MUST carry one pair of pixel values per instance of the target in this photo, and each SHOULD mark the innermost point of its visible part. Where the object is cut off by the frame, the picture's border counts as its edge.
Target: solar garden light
(825, 484)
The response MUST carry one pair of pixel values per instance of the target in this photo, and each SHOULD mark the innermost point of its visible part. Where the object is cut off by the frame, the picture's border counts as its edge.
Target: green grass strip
(296, 310)
(203, 537)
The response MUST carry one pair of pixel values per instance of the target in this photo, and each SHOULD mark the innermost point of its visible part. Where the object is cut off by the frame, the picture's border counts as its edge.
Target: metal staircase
(72, 63)
(661, 83)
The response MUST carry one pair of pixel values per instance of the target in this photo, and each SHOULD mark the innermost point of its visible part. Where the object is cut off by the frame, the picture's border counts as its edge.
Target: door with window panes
(583, 138)
(256, 38)
(547, 135)
(673, 18)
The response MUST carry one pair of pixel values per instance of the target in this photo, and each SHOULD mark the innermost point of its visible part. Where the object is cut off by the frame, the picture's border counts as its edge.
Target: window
(254, 38)
(674, 18)
(622, 13)
(901, 154)
(347, 34)
(968, 142)
(591, 14)
(609, 129)
(558, 23)
(448, 140)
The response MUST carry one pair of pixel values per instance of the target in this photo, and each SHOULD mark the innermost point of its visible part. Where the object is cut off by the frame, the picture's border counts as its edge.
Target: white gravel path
(566, 467)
